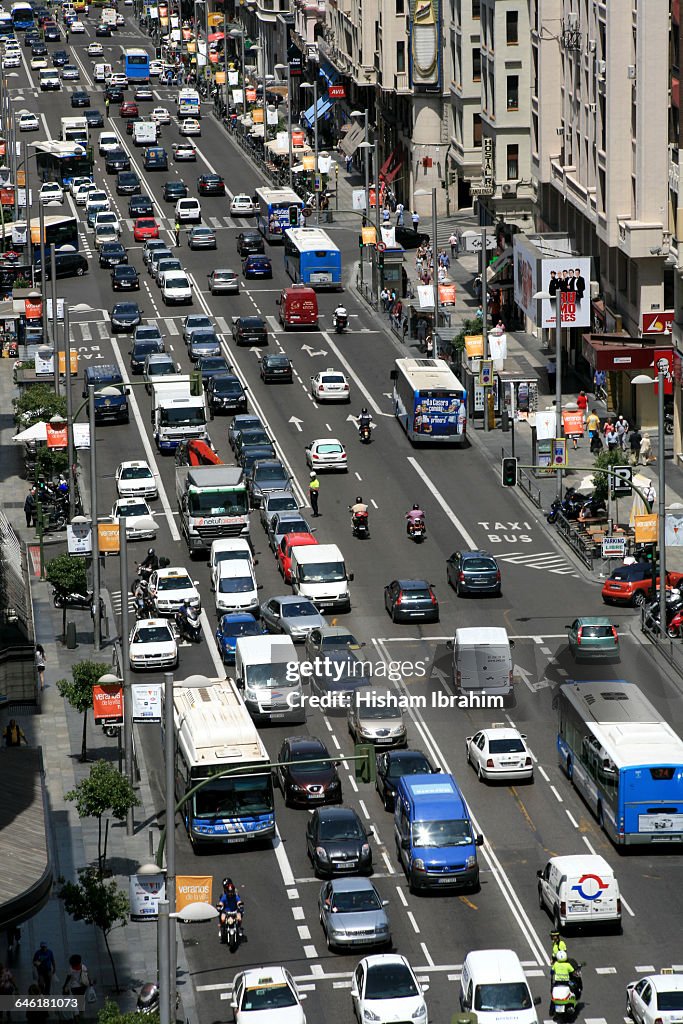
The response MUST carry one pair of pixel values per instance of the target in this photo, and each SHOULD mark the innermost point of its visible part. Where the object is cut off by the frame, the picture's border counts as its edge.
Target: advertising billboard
(568, 276)
(425, 48)
(525, 276)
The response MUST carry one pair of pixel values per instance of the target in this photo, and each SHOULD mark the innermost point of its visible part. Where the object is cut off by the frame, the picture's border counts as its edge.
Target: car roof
(381, 959)
(235, 567)
(288, 515)
(354, 884)
(495, 966)
(336, 813)
(152, 622)
(407, 755)
(594, 620)
(235, 618)
(666, 982)
(311, 743)
(173, 570)
(257, 976)
(286, 599)
(413, 584)
(253, 321)
(501, 734)
(299, 539)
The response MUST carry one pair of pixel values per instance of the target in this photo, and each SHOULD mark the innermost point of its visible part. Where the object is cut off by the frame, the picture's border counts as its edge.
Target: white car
(161, 115)
(326, 453)
(155, 67)
(77, 28)
(12, 59)
(190, 126)
(176, 288)
(330, 386)
(236, 588)
(109, 218)
(228, 549)
(95, 50)
(658, 997)
(38, 63)
(96, 200)
(81, 192)
(51, 194)
(27, 122)
(242, 205)
(135, 479)
(500, 753)
(152, 645)
(120, 20)
(384, 989)
(79, 180)
(118, 78)
(169, 588)
(267, 995)
(140, 524)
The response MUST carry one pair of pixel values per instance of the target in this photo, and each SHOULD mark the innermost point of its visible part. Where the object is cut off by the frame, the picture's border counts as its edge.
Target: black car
(210, 366)
(125, 316)
(125, 278)
(31, 36)
(128, 184)
(393, 765)
(303, 783)
(140, 351)
(67, 264)
(102, 31)
(80, 98)
(337, 843)
(409, 239)
(276, 368)
(245, 421)
(116, 160)
(411, 600)
(114, 93)
(174, 190)
(94, 118)
(473, 572)
(112, 254)
(249, 330)
(252, 453)
(225, 394)
(59, 58)
(131, 122)
(39, 49)
(140, 206)
(249, 437)
(210, 185)
(250, 243)
(51, 33)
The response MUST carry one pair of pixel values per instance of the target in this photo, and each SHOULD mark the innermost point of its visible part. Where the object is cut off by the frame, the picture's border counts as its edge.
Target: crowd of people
(614, 433)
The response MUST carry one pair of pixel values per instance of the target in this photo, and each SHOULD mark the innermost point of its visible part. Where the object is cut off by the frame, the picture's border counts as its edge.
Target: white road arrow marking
(297, 423)
(312, 352)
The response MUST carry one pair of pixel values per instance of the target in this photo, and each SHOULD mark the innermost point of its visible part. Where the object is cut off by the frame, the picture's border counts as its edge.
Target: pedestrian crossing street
(547, 561)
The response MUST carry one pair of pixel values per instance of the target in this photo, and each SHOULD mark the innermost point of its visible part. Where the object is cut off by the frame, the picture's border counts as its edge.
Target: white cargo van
(494, 987)
(50, 80)
(482, 661)
(579, 889)
(228, 548)
(102, 72)
(107, 141)
(144, 133)
(267, 670)
(319, 573)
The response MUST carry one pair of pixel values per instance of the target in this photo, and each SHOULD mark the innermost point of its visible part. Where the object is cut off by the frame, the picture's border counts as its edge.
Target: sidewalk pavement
(57, 729)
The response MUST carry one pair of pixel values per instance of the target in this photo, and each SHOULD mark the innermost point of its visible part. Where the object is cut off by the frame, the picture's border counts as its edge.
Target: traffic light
(360, 241)
(293, 216)
(380, 259)
(366, 770)
(509, 472)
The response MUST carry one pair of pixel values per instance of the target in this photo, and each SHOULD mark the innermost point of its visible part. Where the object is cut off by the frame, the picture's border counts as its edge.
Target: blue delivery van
(435, 840)
(112, 404)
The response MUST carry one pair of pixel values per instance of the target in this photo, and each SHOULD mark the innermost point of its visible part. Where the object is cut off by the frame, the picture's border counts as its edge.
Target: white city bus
(430, 403)
(273, 214)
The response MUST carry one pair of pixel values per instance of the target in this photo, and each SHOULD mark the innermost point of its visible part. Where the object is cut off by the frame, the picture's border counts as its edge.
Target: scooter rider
(414, 515)
(230, 903)
(359, 508)
(151, 562)
(364, 418)
(340, 314)
(558, 943)
(563, 970)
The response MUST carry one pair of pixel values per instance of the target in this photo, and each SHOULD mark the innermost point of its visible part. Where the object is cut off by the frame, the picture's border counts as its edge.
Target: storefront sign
(337, 92)
(56, 437)
(664, 362)
(34, 308)
(79, 538)
(107, 704)
(657, 323)
(73, 363)
(613, 547)
(193, 889)
(572, 422)
(474, 345)
(447, 294)
(145, 892)
(369, 235)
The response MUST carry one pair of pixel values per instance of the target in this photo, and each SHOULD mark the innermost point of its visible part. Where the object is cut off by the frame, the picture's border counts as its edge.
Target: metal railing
(366, 293)
(526, 483)
(576, 541)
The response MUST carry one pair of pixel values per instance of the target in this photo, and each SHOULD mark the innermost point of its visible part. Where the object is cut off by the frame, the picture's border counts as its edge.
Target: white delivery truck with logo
(177, 414)
(580, 889)
(144, 133)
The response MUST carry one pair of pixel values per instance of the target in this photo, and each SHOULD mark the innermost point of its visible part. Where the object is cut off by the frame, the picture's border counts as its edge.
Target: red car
(632, 584)
(284, 551)
(144, 228)
(129, 109)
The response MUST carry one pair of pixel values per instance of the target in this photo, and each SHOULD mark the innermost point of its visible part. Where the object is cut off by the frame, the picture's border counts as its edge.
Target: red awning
(391, 166)
(613, 352)
(214, 36)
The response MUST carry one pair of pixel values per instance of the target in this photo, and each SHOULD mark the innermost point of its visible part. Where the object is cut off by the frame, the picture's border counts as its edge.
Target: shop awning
(323, 107)
(215, 36)
(616, 352)
(352, 139)
(328, 72)
(495, 273)
(392, 165)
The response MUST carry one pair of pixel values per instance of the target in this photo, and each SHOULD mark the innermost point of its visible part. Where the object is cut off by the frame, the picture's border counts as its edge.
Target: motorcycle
(570, 506)
(71, 600)
(668, 422)
(145, 571)
(230, 929)
(144, 606)
(340, 321)
(188, 625)
(417, 530)
(365, 433)
(565, 995)
(361, 525)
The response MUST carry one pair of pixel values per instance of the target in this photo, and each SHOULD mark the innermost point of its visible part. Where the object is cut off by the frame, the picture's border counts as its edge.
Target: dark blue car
(257, 266)
(230, 627)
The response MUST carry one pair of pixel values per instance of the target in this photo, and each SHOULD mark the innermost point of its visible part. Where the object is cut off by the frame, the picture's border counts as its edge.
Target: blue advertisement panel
(439, 415)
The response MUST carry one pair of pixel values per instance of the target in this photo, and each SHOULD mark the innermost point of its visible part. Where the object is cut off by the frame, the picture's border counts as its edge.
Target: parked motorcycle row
(575, 505)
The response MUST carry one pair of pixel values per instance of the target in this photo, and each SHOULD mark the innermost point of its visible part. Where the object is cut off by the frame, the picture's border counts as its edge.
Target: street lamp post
(69, 411)
(546, 296)
(165, 956)
(283, 67)
(435, 275)
(365, 146)
(93, 515)
(660, 381)
(314, 87)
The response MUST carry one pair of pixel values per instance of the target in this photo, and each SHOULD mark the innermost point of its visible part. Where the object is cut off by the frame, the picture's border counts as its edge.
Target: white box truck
(212, 502)
(267, 671)
(176, 413)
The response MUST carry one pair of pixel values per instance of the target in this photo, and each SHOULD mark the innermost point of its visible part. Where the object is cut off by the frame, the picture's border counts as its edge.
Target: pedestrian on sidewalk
(44, 967)
(40, 667)
(77, 979)
(8, 986)
(30, 507)
(384, 295)
(635, 442)
(399, 214)
(611, 437)
(13, 734)
(592, 424)
(646, 456)
(349, 164)
(416, 220)
(176, 229)
(314, 493)
(582, 402)
(386, 215)
(599, 382)
(621, 428)
(453, 242)
(421, 331)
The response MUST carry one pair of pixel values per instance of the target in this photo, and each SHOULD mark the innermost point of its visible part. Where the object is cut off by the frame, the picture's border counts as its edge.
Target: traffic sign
(622, 480)
(472, 241)
(486, 373)
(559, 452)
(481, 190)
(380, 247)
(307, 211)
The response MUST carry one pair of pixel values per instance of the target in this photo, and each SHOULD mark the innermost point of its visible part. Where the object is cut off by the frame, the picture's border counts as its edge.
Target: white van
(267, 669)
(319, 573)
(187, 210)
(493, 986)
(107, 141)
(579, 889)
(102, 72)
(482, 661)
(108, 16)
(144, 133)
(228, 548)
(49, 80)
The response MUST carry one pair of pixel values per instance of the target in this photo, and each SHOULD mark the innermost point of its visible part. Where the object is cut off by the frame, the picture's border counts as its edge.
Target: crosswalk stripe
(222, 325)
(171, 326)
(102, 331)
(215, 222)
(548, 561)
(85, 332)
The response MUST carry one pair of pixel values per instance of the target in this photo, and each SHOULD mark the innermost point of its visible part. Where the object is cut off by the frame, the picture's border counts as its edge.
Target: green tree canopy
(105, 789)
(78, 691)
(36, 403)
(96, 902)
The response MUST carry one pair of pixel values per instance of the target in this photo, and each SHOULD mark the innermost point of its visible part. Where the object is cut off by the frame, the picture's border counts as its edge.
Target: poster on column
(570, 277)
(145, 893)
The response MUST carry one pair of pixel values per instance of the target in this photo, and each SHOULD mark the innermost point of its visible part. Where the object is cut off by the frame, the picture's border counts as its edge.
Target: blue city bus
(430, 403)
(136, 65)
(312, 258)
(6, 25)
(63, 161)
(22, 17)
(624, 759)
(273, 214)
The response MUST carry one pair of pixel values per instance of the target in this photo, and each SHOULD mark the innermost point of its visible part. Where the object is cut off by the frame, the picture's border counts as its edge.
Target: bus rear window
(658, 774)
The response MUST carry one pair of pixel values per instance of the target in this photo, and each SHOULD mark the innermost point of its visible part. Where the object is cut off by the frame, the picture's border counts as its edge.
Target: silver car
(158, 364)
(196, 322)
(223, 282)
(375, 716)
(285, 522)
(203, 342)
(277, 501)
(352, 914)
(293, 616)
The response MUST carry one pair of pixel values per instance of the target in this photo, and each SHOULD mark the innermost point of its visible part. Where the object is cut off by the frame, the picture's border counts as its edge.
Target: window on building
(512, 27)
(400, 56)
(513, 92)
(400, 6)
(476, 64)
(513, 163)
(475, 8)
(476, 129)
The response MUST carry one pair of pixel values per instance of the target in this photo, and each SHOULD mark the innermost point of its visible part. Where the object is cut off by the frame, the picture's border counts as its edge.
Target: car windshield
(226, 556)
(263, 473)
(202, 231)
(322, 572)
(235, 797)
(136, 473)
(298, 610)
(138, 508)
(177, 282)
(355, 902)
(305, 759)
(204, 338)
(277, 361)
(218, 503)
(631, 573)
(400, 765)
(253, 435)
(163, 368)
(416, 594)
(328, 378)
(596, 632)
(282, 504)
(226, 387)
(142, 348)
(268, 675)
(390, 981)
(503, 996)
(378, 708)
(270, 997)
(329, 449)
(235, 629)
(510, 746)
(336, 829)
(176, 417)
(126, 271)
(194, 322)
(126, 309)
(175, 583)
(223, 275)
(236, 585)
(455, 832)
(292, 526)
(153, 635)
(670, 1000)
